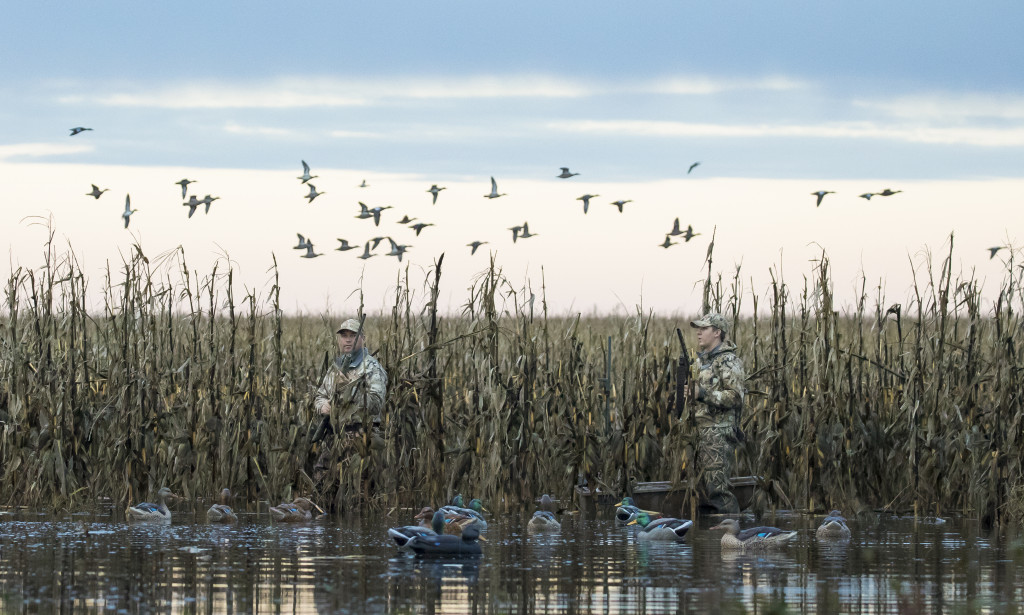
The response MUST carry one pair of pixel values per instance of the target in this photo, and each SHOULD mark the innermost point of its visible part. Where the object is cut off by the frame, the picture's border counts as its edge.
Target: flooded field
(89, 563)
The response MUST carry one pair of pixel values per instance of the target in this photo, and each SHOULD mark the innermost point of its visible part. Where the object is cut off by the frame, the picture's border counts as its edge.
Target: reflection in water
(93, 564)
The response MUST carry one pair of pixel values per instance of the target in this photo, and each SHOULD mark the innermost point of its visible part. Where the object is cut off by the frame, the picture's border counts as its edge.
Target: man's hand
(325, 409)
(690, 392)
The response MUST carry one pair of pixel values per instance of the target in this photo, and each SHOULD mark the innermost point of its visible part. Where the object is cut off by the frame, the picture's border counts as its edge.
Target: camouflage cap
(352, 324)
(711, 319)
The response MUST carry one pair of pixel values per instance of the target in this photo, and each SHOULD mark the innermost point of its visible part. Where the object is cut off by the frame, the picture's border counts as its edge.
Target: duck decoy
(300, 509)
(96, 192)
(78, 129)
(627, 511)
(222, 513)
(586, 200)
(474, 509)
(184, 185)
(821, 195)
(494, 191)
(663, 529)
(152, 512)
(434, 190)
(305, 177)
(544, 520)
(752, 538)
(565, 174)
(402, 535)
(833, 527)
(466, 544)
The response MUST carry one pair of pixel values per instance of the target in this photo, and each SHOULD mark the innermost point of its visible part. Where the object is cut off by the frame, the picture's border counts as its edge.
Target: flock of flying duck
(365, 213)
(398, 250)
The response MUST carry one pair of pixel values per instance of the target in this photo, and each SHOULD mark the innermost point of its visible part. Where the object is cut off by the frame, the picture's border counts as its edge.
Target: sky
(775, 100)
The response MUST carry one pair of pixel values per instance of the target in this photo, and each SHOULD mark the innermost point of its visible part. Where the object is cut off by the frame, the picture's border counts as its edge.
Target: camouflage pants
(715, 456)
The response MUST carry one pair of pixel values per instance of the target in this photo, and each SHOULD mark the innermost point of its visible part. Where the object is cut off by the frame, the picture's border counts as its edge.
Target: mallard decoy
(467, 544)
(402, 535)
(627, 511)
(544, 520)
(752, 538)
(474, 509)
(222, 513)
(298, 510)
(833, 527)
(663, 529)
(152, 512)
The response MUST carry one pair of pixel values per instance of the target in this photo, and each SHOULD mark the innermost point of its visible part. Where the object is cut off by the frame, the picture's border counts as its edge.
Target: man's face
(348, 342)
(708, 337)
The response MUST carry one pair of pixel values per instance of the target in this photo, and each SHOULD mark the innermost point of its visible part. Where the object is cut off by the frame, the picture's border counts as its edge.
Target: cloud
(356, 134)
(38, 150)
(295, 92)
(949, 107)
(938, 135)
(238, 129)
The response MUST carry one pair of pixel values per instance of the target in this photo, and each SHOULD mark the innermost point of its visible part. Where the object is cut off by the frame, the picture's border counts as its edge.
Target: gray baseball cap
(711, 319)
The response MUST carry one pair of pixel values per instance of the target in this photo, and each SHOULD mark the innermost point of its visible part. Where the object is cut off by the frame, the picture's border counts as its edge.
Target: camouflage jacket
(721, 386)
(356, 394)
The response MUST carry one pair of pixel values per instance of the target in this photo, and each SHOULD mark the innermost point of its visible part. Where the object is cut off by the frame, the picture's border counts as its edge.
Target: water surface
(91, 563)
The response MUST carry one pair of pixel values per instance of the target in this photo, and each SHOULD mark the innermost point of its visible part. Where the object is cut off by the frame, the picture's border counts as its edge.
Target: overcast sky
(775, 100)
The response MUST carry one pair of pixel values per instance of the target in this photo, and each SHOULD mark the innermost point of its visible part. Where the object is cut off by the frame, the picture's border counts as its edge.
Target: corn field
(180, 382)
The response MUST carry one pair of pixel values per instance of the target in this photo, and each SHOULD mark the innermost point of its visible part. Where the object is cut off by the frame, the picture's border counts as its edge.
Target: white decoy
(313, 193)
(620, 203)
(78, 129)
(305, 177)
(494, 191)
(434, 190)
(474, 246)
(96, 192)
(565, 174)
(184, 185)
(586, 200)
(128, 211)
